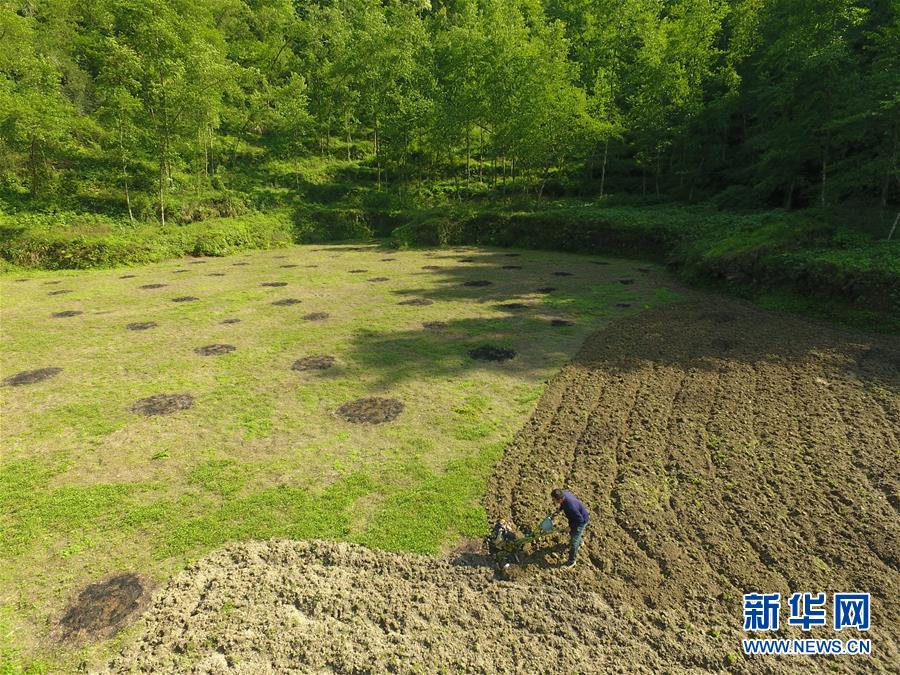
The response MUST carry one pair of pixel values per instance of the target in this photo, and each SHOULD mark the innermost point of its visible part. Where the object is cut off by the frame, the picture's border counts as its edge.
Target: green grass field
(87, 487)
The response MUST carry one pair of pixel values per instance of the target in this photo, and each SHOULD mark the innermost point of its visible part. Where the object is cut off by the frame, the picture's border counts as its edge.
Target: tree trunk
(468, 155)
(165, 116)
(544, 175)
(894, 226)
(32, 161)
(480, 155)
(162, 190)
(452, 170)
(886, 183)
(694, 179)
(603, 168)
(124, 169)
(658, 170)
(377, 156)
(789, 195)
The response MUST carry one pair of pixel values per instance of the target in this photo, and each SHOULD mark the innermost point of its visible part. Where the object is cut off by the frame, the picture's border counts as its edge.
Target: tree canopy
(751, 102)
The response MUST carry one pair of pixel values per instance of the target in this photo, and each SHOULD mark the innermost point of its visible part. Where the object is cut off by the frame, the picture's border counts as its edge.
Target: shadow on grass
(535, 312)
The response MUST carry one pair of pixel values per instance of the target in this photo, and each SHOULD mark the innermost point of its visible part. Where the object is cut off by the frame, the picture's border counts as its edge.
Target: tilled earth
(721, 450)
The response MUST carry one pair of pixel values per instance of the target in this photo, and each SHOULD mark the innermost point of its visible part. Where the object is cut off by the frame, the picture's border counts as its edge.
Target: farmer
(577, 516)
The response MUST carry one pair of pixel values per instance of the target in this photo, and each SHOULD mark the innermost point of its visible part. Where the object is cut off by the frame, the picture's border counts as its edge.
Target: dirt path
(721, 449)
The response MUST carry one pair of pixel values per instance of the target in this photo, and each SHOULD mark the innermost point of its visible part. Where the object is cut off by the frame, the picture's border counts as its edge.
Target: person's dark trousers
(577, 537)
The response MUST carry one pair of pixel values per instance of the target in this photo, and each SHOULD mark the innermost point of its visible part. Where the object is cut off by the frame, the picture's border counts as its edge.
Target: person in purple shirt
(577, 515)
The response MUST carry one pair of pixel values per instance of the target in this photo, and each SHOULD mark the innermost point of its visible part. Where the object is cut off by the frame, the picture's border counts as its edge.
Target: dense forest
(122, 105)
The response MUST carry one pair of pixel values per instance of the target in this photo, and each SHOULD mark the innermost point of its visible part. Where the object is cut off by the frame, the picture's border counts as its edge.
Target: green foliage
(318, 224)
(71, 241)
(178, 111)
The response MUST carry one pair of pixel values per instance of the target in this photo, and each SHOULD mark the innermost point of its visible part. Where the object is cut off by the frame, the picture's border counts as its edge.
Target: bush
(72, 241)
(313, 224)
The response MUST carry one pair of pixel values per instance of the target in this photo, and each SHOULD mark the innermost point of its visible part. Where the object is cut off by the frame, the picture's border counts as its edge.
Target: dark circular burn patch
(62, 292)
(371, 410)
(491, 353)
(162, 404)
(511, 267)
(312, 265)
(279, 257)
(478, 283)
(317, 362)
(216, 274)
(546, 289)
(431, 267)
(214, 350)
(30, 376)
(315, 316)
(434, 325)
(286, 302)
(288, 266)
(237, 264)
(52, 283)
(626, 282)
(358, 271)
(623, 305)
(416, 302)
(103, 608)
(180, 271)
(230, 321)
(513, 305)
(273, 284)
(376, 280)
(561, 322)
(388, 259)
(197, 262)
(467, 260)
(153, 286)
(128, 276)
(66, 314)
(21, 280)
(142, 325)
(185, 298)
(562, 274)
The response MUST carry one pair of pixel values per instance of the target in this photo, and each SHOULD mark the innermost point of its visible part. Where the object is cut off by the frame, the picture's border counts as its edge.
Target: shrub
(70, 241)
(313, 224)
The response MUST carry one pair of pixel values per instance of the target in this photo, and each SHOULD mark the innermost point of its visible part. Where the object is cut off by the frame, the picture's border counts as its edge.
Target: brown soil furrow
(641, 486)
(501, 489)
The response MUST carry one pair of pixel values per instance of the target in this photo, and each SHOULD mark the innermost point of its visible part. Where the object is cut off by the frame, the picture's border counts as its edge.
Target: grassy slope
(88, 488)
